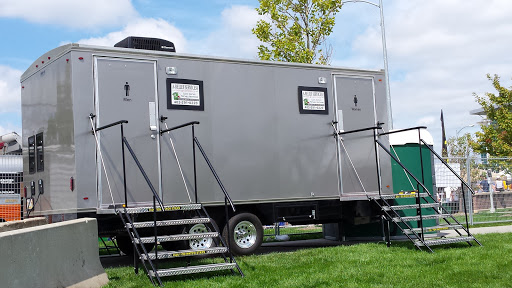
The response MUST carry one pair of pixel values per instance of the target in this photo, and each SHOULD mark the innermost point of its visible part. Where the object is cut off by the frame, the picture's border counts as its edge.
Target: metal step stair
(417, 218)
(149, 224)
(167, 208)
(443, 241)
(401, 196)
(177, 237)
(433, 229)
(193, 269)
(411, 206)
(184, 253)
(194, 215)
(392, 212)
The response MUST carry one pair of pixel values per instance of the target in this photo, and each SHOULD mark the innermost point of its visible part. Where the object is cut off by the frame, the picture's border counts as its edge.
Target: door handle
(152, 116)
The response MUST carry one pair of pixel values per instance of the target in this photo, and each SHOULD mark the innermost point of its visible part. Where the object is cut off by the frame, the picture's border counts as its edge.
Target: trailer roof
(56, 53)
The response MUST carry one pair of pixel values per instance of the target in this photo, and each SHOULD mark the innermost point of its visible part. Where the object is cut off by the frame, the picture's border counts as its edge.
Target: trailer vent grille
(146, 44)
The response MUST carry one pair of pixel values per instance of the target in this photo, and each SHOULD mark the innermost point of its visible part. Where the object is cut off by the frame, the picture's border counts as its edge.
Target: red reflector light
(22, 87)
(37, 66)
(86, 198)
(71, 184)
(380, 80)
(42, 62)
(67, 60)
(80, 58)
(49, 58)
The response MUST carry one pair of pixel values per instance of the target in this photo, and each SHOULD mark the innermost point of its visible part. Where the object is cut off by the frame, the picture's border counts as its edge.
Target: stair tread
(169, 222)
(400, 196)
(184, 253)
(411, 206)
(434, 228)
(425, 217)
(177, 237)
(193, 269)
(442, 241)
(167, 208)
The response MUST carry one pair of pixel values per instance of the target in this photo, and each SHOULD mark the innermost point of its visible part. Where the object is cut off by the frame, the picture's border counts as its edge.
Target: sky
(439, 51)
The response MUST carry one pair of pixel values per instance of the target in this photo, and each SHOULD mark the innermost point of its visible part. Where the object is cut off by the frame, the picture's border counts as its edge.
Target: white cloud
(233, 37)
(10, 99)
(75, 14)
(144, 27)
(439, 53)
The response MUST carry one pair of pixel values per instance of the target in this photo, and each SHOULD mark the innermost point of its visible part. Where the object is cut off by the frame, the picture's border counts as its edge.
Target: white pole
(385, 54)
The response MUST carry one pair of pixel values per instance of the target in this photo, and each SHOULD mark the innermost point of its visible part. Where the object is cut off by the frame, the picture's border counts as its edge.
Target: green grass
(362, 265)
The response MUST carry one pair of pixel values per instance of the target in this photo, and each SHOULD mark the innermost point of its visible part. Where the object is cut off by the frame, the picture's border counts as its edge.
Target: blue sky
(439, 50)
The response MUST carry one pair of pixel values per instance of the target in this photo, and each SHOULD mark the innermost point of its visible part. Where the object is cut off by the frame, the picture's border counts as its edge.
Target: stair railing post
(227, 226)
(464, 203)
(194, 160)
(377, 163)
(418, 199)
(124, 168)
(156, 233)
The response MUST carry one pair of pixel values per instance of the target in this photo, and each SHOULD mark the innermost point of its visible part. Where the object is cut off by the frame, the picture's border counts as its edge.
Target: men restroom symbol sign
(127, 89)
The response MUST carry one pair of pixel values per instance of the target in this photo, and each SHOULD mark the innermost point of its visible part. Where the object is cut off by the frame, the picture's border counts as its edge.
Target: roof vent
(146, 44)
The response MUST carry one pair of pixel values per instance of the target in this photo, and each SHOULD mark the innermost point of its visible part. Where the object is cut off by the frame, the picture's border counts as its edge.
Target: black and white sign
(185, 94)
(313, 100)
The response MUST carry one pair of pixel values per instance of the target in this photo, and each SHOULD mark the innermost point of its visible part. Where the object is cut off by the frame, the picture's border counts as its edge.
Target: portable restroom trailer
(268, 128)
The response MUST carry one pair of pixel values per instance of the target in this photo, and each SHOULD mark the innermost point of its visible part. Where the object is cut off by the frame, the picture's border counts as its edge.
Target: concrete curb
(63, 254)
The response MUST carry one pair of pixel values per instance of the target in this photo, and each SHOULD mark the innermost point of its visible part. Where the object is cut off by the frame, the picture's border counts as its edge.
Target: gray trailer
(269, 129)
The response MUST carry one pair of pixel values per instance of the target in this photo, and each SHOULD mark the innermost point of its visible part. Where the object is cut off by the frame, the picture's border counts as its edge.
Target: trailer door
(125, 89)
(355, 104)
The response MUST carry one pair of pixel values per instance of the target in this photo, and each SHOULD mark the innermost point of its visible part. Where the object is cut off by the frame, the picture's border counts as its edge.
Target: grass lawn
(362, 265)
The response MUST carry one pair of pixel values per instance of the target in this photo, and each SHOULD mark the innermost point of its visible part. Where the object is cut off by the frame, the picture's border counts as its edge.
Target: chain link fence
(491, 180)
(11, 186)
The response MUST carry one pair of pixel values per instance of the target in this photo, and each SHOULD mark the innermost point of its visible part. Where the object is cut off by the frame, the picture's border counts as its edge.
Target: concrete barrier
(20, 224)
(63, 254)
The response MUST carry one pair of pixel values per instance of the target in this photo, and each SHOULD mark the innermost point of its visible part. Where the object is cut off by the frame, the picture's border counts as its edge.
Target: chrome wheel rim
(202, 243)
(245, 234)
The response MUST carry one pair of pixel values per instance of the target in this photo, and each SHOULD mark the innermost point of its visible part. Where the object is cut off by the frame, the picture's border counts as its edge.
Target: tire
(246, 233)
(124, 243)
(198, 244)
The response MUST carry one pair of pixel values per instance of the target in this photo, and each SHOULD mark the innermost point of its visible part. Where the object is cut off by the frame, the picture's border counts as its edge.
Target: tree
(459, 149)
(460, 146)
(297, 30)
(496, 138)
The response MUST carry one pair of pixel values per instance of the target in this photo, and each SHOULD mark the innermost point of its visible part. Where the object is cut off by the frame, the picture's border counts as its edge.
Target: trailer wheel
(199, 244)
(124, 243)
(246, 233)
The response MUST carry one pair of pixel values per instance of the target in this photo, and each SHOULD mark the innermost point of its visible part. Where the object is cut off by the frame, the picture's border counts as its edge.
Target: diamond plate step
(400, 196)
(417, 218)
(168, 222)
(177, 237)
(184, 253)
(411, 206)
(184, 207)
(434, 228)
(445, 241)
(192, 269)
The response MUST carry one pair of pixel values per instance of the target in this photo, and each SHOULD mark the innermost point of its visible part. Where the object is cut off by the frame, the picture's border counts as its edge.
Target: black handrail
(112, 124)
(179, 126)
(402, 130)
(143, 173)
(446, 164)
(214, 174)
(359, 130)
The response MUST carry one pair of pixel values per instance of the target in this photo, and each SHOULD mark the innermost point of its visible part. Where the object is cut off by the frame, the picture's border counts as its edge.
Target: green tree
(296, 30)
(460, 146)
(496, 138)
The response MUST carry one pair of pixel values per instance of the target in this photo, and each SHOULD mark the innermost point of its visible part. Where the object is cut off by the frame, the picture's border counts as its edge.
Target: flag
(445, 145)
